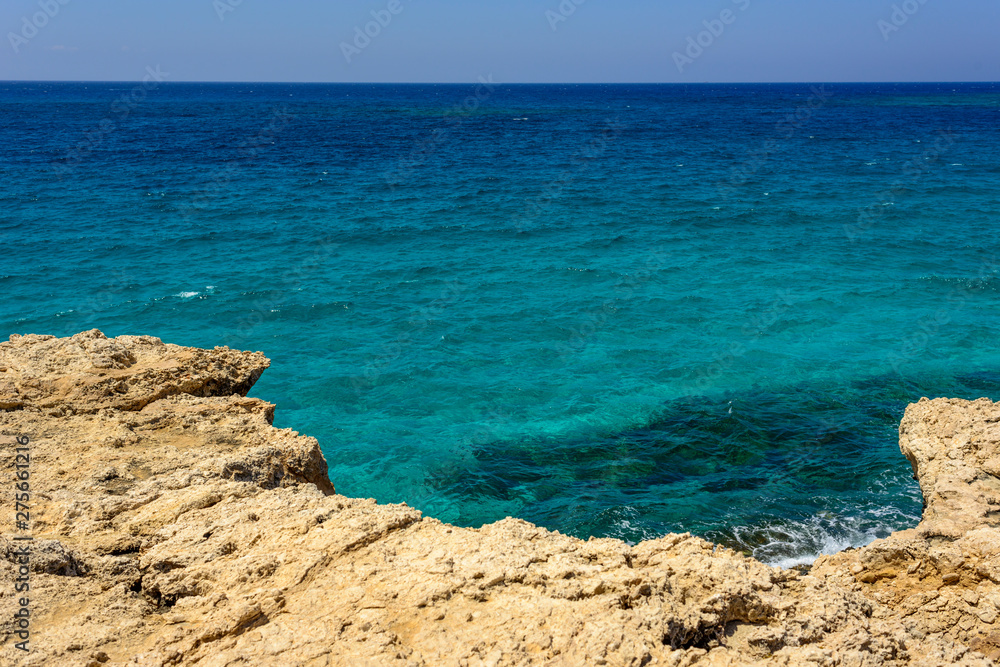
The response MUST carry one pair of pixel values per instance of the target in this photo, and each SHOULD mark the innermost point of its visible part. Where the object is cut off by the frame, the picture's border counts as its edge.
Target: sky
(507, 41)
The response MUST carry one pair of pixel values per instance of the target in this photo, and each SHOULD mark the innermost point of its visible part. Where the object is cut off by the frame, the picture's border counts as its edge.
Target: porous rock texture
(174, 525)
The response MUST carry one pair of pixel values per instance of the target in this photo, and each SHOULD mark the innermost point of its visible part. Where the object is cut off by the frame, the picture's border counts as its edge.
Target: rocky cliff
(172, 524)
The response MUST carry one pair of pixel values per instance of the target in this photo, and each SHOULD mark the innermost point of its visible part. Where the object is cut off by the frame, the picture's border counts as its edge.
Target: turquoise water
(610, 310)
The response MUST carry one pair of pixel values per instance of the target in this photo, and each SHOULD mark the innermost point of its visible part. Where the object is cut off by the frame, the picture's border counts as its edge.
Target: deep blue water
(610, 310)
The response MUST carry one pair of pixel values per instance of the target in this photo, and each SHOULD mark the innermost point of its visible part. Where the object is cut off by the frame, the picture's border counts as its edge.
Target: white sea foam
(792, 544)
(187, 295)
(784, 544)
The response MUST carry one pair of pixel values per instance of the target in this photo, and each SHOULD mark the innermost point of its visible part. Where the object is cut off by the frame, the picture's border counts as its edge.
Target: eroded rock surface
(174, 525)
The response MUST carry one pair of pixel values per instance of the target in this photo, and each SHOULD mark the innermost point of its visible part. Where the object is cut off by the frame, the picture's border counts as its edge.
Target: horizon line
(512, 83)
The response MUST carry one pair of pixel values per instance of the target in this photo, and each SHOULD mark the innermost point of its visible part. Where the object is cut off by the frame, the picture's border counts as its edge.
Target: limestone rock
(89, 372)
(174, 525)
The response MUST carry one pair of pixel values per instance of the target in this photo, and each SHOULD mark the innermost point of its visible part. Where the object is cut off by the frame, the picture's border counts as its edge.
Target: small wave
(799, 543)
(961, 283)
(209, 289)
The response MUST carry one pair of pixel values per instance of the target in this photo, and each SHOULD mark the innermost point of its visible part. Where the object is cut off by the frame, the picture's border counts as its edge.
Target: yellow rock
(175, 525)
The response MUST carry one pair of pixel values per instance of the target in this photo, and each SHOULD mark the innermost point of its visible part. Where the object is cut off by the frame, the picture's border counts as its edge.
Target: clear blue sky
(514, 40)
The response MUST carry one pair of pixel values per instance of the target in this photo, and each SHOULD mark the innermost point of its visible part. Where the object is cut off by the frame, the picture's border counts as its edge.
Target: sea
(610, 310)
